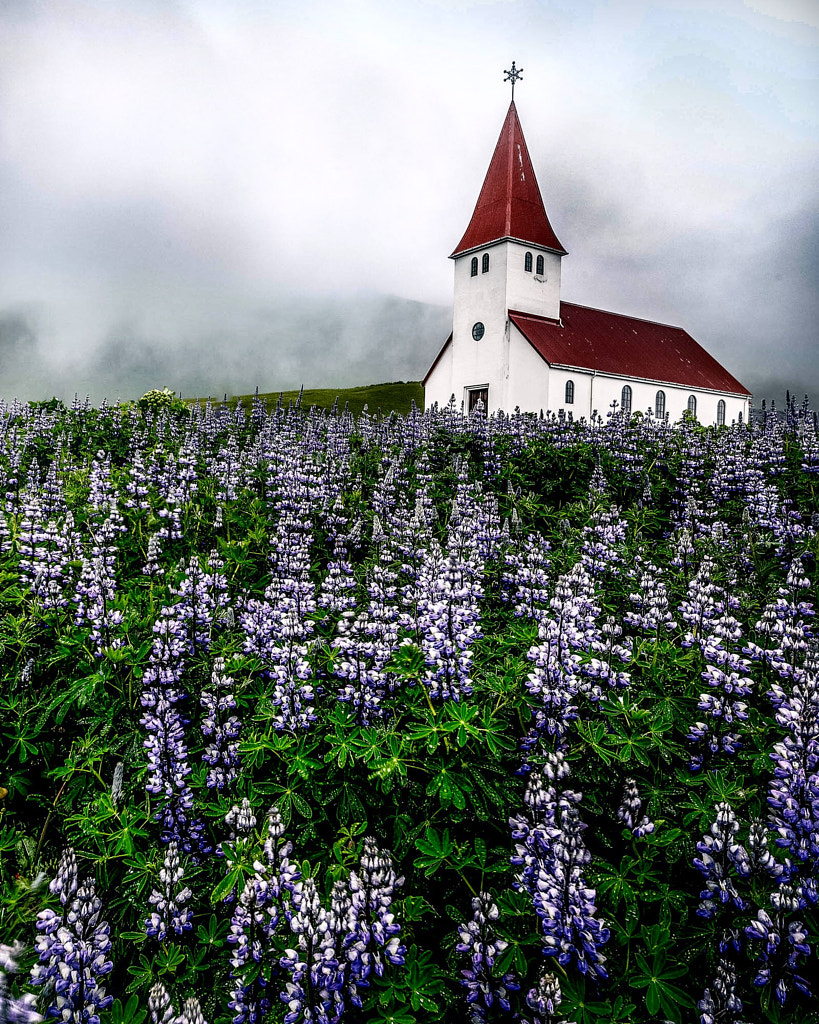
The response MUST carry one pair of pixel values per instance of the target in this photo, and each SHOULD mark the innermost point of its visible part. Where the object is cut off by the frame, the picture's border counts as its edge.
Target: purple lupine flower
(162, 719)
(372, 931)
(240, 819)
(152, 566)
(720, 852)
(222, 729)
(720, 1003)
(629, 812)
(480, 940)
(162, 1010)
(785, 945)
(602, 541)
(314, 993)
(557, 679)
(793, 793)
(73, 948)
(448, 611)
(651, 612)
(171, 914)
(14, 1009)
(551, 857)
(526, 578)
(256, 918)
(544, 1000)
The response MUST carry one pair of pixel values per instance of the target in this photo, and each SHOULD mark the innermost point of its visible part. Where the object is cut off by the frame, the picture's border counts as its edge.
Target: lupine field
(308, 718)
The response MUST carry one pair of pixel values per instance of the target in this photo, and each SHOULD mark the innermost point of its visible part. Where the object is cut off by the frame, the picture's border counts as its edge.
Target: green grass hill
(397, 396)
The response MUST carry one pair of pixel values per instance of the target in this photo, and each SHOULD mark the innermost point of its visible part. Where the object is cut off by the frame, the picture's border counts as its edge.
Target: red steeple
(510, 204)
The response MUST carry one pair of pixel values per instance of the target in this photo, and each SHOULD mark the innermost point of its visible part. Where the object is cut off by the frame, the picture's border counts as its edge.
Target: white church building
(516, 344)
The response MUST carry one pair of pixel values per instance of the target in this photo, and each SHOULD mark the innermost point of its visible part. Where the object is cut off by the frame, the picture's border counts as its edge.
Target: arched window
(569, 392)
(485, 263)
(659, 405)
(625, 399)
(692, 404)
(539, 266)
(527, 263)
(474, 267)
(721, 413)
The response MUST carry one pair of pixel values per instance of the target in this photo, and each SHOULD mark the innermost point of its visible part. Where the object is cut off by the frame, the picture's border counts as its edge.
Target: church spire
(510, 204)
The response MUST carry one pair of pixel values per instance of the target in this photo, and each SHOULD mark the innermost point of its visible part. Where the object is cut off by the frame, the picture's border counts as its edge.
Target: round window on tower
(477, 331)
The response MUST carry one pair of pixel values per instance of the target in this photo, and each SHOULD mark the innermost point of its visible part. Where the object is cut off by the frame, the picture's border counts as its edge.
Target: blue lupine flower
(73, 949)
(314, 993)
(372, 931)
(552, 856)
(222, 729)
(629, 812)
(171, 914)
(480, 940)
(784, 945)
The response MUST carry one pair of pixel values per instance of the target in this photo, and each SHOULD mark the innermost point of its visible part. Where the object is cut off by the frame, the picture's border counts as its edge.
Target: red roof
(510, 204)
(594, 339)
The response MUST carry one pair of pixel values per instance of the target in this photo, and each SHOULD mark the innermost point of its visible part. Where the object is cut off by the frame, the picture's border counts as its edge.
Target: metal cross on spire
(513, 76)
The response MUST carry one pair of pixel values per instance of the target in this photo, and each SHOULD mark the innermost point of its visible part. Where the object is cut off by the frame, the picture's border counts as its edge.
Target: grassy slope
(395, 397)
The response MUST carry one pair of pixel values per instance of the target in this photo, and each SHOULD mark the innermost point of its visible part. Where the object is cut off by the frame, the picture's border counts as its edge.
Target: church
(515, 344)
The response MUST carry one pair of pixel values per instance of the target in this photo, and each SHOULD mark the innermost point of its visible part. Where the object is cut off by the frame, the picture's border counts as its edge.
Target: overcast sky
(173, 175)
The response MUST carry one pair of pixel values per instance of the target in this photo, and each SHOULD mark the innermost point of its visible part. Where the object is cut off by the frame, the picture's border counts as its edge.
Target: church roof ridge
(509, 204)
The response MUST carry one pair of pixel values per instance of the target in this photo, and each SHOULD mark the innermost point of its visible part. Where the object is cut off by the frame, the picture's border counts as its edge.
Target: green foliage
(435, 782)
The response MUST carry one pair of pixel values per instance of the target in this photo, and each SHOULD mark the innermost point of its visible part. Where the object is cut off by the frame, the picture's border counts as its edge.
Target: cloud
(170, 169)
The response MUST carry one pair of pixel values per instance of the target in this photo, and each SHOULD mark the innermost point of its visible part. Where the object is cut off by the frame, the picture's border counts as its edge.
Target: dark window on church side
(527, 263)
(659, 405)
(720, 413)
(569, 392)
(478, 395)
(485, 263)
(539, 266)
(625, 399)
(474, 267)
(692, 404)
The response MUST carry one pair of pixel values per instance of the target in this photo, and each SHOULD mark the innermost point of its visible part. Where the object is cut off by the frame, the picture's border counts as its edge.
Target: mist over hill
(320, 342)
(211, 345)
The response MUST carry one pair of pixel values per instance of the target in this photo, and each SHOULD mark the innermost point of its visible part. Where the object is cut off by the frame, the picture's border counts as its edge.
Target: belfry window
(625, 399)
(569, 391)
(721, 413)
(485, 263)
(659, 405)
(527, 263)
(539, 266)
(473, 272)
(692, 404)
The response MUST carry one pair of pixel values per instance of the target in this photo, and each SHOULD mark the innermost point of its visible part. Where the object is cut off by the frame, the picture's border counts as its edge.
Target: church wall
(527, 386)
(598, 391)
(481, 363)
(527, 290)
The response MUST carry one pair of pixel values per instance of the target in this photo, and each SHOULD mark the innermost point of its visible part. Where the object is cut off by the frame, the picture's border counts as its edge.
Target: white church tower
(508, 258)
(516, 343)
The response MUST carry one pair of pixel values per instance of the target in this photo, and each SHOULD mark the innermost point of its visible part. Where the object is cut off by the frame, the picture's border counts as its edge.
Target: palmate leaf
(657, 978)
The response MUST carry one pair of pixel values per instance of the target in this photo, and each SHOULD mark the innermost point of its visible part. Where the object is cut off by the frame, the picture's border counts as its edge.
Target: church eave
(508, 238)
(437, 359)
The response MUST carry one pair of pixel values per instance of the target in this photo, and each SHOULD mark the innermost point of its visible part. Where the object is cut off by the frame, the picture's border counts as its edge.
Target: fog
(214, 196)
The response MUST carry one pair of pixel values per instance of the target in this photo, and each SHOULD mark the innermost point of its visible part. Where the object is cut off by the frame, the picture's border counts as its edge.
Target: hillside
(397, 396)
